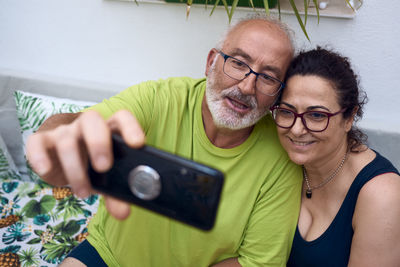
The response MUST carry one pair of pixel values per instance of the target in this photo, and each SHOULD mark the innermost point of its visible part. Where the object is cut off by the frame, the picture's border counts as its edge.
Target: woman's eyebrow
(308, 108)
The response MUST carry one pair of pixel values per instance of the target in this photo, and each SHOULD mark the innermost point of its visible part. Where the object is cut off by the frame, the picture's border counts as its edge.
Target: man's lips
(238, 105)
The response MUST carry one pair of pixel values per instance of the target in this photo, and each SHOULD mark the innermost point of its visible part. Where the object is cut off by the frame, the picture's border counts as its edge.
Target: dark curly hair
(337, 69)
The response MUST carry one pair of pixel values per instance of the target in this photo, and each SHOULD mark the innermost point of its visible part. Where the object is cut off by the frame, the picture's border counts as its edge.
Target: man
(220, 122)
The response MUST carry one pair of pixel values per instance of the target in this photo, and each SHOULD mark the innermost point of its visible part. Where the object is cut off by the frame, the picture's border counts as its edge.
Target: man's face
(237, 104)
(242, 111)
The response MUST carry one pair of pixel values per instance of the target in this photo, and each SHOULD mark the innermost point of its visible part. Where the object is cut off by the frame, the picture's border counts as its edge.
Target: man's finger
(36, 153)
(97, 137)
(117, 208)
(128, 127)
(73, 166)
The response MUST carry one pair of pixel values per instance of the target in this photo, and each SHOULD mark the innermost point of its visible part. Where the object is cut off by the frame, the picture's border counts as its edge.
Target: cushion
(40, 224)
(34, 109)
(11, 80)
(7, 166)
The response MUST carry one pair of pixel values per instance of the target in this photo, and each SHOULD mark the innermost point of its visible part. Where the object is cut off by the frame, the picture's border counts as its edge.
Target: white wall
(121, 43)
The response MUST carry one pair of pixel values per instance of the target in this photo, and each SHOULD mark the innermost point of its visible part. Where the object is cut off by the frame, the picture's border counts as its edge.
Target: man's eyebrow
(247, 57)
(240, 52)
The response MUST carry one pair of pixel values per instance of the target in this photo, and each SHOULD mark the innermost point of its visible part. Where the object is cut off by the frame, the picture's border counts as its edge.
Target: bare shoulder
(375, 223)
(381, 190)
(378, 202)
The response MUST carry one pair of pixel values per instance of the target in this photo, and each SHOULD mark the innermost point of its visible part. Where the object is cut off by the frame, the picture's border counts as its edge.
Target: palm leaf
(31, 111)
(70, 206)
(29, 257)
(54, 252)
(4, 165)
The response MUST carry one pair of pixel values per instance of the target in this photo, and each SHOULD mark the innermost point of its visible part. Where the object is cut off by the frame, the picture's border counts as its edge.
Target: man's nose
(248, 85)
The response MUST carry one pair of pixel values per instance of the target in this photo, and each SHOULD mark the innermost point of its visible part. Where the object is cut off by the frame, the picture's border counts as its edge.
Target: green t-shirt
(260, 201)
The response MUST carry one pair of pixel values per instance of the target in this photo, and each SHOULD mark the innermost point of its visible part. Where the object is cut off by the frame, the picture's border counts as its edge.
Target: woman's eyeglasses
(314, 121)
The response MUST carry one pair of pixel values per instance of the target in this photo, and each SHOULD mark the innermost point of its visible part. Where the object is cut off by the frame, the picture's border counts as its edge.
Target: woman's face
(313, 93)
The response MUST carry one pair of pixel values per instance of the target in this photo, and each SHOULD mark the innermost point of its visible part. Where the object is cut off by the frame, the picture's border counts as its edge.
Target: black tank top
(332, 248)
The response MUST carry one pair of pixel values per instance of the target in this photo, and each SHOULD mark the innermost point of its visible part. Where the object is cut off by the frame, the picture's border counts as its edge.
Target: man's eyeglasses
(238, 70)
(314, 121)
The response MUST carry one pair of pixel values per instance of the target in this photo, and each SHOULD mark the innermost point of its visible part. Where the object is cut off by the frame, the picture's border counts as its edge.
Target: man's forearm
(57, 120)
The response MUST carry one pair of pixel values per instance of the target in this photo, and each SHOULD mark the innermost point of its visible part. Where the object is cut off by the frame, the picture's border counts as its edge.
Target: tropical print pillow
(7, 166)
(34, 109)
(40, 224)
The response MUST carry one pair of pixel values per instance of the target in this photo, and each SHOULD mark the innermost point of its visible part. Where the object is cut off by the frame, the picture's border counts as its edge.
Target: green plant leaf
(316, 8)
(266, 7)
(233, 8)
(34, 208)
(296, 12)
(68, 228)
(305, 11)
(226, 9)
(33, 241)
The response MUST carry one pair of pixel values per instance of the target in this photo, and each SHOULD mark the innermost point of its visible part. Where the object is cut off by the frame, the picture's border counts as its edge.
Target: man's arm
(57, 120)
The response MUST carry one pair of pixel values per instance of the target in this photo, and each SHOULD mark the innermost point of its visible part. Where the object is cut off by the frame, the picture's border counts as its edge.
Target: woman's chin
(299, 159)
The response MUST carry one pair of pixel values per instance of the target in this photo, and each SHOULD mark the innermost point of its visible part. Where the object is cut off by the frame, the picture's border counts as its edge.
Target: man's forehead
(257, 32)
(258, 44)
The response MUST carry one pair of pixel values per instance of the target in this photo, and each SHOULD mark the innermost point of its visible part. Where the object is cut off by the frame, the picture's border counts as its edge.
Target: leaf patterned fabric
(34, 109)
(7, 166)
(41, 224)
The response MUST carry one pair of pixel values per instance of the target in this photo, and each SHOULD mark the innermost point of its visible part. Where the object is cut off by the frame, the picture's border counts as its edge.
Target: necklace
(310, 188)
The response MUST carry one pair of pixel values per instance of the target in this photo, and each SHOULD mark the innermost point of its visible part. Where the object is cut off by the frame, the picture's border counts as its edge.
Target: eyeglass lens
(238, 70)
(312, 120)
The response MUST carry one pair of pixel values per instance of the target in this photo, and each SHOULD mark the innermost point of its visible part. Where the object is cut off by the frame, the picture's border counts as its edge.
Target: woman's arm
(376, 224)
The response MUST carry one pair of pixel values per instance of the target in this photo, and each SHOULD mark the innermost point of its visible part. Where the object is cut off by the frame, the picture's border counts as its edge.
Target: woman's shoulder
(377, 216)
(382, 190)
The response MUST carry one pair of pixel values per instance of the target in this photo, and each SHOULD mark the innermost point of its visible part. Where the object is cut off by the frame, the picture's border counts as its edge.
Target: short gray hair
(258, 16)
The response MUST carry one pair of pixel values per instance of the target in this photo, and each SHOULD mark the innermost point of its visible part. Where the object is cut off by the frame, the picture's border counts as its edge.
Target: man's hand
(60, 155)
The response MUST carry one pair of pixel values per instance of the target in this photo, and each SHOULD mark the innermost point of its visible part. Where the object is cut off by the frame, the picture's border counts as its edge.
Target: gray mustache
(235, 93)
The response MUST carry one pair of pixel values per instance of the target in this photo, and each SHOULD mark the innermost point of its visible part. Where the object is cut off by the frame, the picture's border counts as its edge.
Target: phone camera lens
(145, 182)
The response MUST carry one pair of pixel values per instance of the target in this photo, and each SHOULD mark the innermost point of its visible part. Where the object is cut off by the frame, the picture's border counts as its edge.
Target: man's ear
(349, 122)
(212, 56)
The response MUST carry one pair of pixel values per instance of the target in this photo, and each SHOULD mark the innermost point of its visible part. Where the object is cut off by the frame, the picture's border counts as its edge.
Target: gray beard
(225, 117)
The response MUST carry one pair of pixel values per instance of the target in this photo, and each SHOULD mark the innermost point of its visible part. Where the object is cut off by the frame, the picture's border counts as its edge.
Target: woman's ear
(212, 56)
(349, 122)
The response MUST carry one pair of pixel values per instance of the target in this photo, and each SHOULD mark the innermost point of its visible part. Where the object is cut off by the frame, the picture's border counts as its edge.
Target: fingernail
(82, 192)
(41, 168)
(102, 162)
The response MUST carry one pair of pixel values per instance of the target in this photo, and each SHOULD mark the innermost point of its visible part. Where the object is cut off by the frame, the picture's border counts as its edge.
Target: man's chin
(235, 123)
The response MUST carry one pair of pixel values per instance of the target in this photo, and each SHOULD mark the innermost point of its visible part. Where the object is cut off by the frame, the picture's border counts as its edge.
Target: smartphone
(162, 182)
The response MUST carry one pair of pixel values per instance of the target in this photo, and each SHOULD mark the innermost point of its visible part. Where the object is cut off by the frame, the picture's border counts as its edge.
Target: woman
(350, 210)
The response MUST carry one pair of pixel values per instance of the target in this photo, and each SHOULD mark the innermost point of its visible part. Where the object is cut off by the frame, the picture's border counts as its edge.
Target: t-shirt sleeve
(138, 99)
(271, 226)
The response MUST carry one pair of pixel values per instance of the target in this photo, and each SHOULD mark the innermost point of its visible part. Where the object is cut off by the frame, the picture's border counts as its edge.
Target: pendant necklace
(310, 188)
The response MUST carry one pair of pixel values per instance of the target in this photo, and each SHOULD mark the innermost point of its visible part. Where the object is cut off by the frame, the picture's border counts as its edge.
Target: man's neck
(222, 137)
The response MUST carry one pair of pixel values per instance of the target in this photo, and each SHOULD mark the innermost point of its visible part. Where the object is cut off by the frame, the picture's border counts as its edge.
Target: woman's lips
(298, 143)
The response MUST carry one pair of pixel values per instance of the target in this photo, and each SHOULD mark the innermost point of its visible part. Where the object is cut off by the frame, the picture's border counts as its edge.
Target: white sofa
(39, 224)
